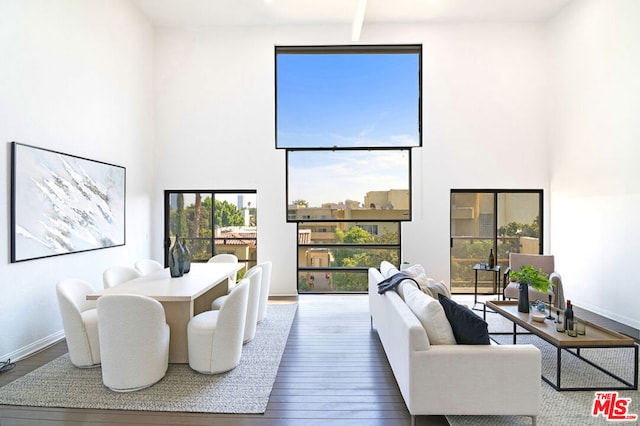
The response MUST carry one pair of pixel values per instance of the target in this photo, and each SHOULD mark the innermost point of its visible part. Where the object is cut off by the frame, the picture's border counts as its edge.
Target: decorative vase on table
(523, 298)
(187, 257)
(176, 259)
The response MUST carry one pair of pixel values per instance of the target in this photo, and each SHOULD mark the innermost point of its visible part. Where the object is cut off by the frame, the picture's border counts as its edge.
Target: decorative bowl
(538, 317)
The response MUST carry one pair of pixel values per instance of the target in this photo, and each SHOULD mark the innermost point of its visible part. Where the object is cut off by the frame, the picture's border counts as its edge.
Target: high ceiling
(202, 13)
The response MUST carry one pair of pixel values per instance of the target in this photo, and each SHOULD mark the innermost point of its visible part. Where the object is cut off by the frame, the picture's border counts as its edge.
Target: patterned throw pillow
(427, 285)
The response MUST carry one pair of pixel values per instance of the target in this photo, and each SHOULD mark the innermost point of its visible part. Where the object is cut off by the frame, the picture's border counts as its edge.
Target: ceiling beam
(358, 19)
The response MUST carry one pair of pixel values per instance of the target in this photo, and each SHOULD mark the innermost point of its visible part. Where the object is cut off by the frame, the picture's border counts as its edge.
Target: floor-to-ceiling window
(482, 221)
(347, 117)
(213, 222)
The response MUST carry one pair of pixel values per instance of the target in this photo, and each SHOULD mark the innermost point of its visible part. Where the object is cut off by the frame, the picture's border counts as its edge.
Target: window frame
(349, 49)
(360, 270)
(213, 239)
(495, 237)
(397, 246)
(409, 216)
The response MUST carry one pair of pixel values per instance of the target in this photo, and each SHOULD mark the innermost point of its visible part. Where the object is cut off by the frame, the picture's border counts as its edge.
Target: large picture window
(348, 96)
(348, 117)
(348, 185)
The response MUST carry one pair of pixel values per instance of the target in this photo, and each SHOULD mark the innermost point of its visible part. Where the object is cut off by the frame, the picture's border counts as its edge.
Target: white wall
(485, 94)
(76, 77)
(195, 109)
(594, 48)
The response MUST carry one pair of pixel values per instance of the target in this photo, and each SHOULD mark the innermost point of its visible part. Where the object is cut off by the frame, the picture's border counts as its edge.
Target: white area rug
(245, 389)
(566, 408)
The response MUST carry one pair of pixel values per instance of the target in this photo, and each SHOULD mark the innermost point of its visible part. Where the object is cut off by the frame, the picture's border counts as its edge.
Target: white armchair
(215, 338)
(134, 341)
(115, 275)
(80, 322)
(538, 261)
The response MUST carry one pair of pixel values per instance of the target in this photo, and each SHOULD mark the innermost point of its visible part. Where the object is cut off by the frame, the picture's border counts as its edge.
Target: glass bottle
(492, 260)
(559, 321)
(568, 316)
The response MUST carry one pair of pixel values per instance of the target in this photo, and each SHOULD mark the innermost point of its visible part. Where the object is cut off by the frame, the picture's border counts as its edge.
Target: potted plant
(529, 276)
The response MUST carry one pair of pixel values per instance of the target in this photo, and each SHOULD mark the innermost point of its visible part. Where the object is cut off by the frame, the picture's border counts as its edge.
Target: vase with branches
(529, 276)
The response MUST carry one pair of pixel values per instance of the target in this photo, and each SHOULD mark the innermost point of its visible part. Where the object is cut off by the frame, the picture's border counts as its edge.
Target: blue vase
(523, 298)
(176, 259)
(186, 265)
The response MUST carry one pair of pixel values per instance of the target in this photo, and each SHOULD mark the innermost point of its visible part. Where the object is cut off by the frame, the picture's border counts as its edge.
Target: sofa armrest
(482, 379)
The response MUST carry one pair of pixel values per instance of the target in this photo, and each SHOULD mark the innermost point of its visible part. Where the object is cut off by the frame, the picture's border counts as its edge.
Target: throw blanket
(392, 282)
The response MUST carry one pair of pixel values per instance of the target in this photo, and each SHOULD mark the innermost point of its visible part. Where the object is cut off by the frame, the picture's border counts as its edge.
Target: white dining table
(182, 297)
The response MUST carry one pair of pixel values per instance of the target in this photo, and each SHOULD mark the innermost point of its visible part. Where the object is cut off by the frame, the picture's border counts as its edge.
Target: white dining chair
(115, 275)
(254, 275)
(147, 266)
(80, 322)
(215, 337)
(265, 283)
(226, 258)
(134, 341)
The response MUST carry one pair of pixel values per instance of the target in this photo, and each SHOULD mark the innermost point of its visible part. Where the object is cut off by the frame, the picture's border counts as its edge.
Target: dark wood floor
(333, 372)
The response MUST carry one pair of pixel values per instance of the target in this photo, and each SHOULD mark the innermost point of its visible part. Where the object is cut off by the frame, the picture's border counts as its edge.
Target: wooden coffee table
(596, 337)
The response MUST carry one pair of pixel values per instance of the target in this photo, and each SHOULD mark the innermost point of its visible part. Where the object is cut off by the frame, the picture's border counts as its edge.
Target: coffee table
(596, 337)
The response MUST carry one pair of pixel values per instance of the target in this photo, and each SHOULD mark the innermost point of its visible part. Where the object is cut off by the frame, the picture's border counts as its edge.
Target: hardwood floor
(333, 372)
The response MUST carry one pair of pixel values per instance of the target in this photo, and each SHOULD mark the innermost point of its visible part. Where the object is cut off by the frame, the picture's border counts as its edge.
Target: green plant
(532, 277)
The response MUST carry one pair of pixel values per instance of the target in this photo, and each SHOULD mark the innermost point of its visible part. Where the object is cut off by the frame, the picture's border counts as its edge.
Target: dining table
(182, 297)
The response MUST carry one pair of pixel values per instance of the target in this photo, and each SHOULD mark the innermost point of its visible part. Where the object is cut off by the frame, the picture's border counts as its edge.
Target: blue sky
(348, 100)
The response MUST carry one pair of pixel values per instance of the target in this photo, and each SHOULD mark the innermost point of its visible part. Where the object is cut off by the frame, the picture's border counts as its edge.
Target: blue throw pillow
(468, 328)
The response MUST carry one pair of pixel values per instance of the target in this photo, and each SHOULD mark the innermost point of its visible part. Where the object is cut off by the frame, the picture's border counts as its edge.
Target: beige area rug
(566, 408)
(245, 389)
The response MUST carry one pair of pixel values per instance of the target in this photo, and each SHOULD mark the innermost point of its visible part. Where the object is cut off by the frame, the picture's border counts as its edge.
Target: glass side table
(485, 267)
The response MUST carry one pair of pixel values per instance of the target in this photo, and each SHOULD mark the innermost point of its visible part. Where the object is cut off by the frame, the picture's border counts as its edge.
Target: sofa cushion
(431, 315)
(468, 328)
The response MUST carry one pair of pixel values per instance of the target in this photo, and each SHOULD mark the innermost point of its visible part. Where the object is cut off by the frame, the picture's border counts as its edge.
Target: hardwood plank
(333, 373)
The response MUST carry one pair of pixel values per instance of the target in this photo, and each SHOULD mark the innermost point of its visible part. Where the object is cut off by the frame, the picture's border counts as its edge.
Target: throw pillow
(402, 285)
(417, 273)
(468, 328)
(431, 315)
(427, 285)
(434, 288)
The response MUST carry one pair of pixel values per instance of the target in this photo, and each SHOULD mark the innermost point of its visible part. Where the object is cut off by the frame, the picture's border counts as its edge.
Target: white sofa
(452, 379)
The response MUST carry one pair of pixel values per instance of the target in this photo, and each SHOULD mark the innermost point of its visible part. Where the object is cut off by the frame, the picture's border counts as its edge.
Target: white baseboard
(34, 347)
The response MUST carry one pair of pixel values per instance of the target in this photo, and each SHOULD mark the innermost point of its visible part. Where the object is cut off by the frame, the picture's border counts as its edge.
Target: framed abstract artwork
(62, 204)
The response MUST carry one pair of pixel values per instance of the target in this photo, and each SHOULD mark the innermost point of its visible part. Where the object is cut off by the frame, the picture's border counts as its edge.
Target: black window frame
(409, 216)
(212, 192)
(349, 49)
